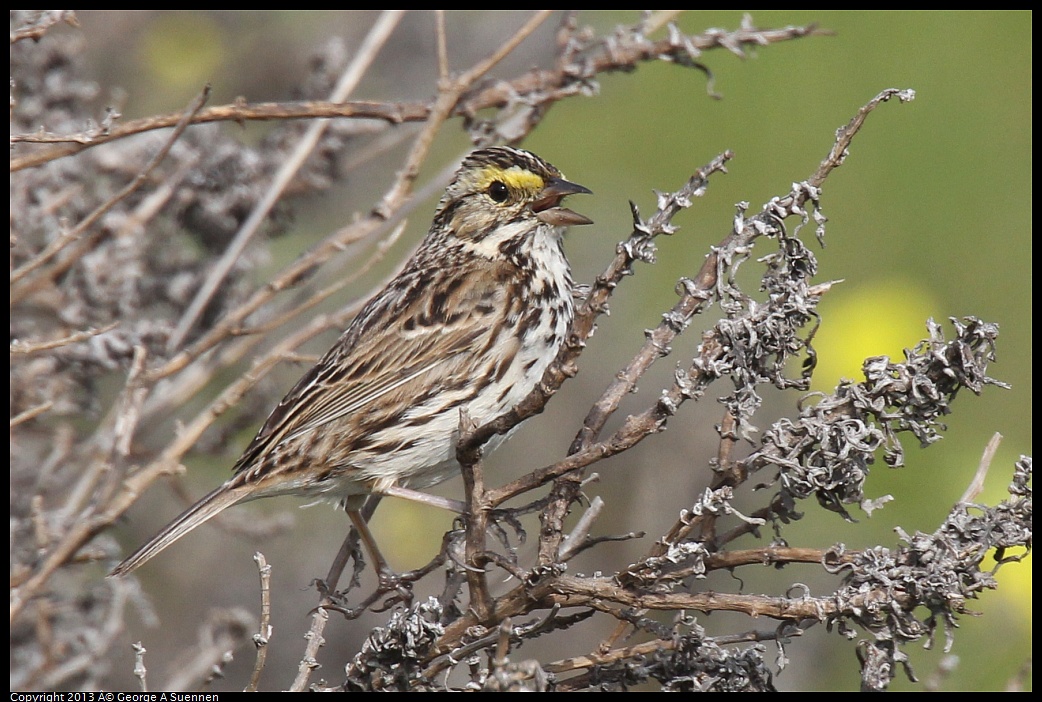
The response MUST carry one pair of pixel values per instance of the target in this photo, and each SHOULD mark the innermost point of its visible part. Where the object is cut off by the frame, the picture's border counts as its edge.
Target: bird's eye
(498, 191)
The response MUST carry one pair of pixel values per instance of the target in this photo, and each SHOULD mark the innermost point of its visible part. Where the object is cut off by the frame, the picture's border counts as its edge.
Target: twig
(573, 543)
(392, 113)
(315, 640)
(263, 635)
(25, 348)
(31, 413)
(140, 671)
(443, 55)
(846, 133)
(46, 20)
(477, 521)
(977, 484)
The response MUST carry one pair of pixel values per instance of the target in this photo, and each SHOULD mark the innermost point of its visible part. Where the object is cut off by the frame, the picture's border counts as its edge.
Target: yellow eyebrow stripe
(514, 178)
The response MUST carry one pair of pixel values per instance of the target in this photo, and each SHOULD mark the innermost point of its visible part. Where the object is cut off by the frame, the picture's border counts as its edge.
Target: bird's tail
(202, 511)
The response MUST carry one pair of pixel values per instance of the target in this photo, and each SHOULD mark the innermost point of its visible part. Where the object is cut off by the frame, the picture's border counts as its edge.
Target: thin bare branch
(977, 484)
(263, 635)
(19, 347)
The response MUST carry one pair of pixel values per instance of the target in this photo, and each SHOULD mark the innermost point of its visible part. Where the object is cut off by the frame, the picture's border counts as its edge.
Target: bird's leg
(388, 578)
(383, 571)
(423, 498)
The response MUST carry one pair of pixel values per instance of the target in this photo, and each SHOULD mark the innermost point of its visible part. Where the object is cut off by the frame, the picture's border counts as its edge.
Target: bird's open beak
(547, 207)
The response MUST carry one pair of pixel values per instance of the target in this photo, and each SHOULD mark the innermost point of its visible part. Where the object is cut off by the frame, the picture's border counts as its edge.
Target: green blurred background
(927, 218)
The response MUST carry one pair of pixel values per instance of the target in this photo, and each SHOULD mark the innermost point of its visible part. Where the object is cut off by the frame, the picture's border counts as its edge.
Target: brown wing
(411, 338)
